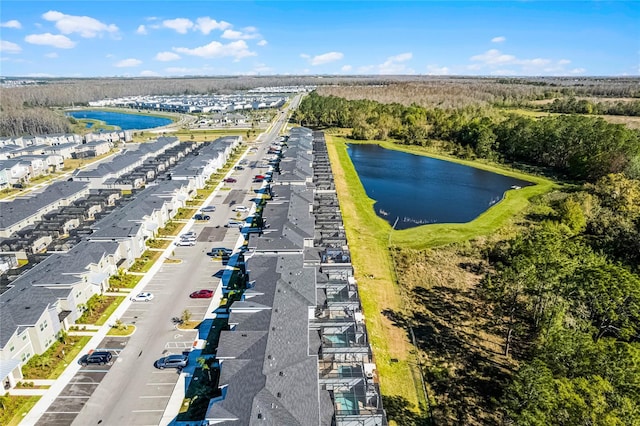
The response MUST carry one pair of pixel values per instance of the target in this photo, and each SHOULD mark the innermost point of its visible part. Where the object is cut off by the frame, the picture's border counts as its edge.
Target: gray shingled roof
(12, 212)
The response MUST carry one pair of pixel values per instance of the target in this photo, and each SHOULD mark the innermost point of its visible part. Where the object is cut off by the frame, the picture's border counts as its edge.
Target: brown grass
(460, 344)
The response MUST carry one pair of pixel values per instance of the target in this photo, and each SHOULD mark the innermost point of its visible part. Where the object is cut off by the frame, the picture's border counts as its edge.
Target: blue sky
(175, 38)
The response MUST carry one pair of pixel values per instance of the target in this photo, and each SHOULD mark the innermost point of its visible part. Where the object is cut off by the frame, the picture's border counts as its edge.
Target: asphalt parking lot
(73, 397)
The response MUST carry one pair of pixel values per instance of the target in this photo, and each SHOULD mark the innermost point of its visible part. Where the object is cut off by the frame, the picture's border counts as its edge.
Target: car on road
(202, 294)
(142, 297)
(202, 217)
(172, 361)
(96, 357)
(220, 251)
(208, 209)
(230, 180)
(241, 209)
(234, 224)
(186, 243)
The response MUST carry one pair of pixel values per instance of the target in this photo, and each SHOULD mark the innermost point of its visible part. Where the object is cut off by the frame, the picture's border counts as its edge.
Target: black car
(220, 252)
(97, 357)
(172, 361)
(202, 217)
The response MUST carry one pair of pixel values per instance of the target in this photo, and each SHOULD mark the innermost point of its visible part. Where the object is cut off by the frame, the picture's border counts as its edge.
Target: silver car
(172, 361)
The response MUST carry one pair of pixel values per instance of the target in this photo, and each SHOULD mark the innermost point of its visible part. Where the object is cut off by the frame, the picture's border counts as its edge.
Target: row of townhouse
(53, 139)
(19, 165)
(195, 103)
(296, 351)
(38, 305)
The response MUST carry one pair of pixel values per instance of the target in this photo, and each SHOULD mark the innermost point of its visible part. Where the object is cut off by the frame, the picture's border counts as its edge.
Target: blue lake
(417, 190)
(123, 121)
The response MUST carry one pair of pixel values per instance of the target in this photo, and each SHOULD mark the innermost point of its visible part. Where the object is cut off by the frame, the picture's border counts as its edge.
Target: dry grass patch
(460, 343)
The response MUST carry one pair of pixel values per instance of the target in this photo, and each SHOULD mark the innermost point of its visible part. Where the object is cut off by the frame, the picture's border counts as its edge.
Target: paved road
(132, 391)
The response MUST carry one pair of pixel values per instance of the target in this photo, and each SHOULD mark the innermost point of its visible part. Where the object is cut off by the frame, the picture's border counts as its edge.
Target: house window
(12, 348)
(24, 337)
(41, 326)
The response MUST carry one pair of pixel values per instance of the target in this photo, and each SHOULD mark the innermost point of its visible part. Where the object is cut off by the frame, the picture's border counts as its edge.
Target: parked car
(202, 294)
(239, 168)
(188, 234)
(208, 209)
(142, 297)
(220, 251)
(96, 357)
(172, 361)
(259, 177)
(230, 180)
(202, 217)
(241, 209)
(234, 224)
(186, 243)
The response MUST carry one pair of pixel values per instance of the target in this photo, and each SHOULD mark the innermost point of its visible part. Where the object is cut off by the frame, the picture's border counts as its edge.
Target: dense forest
(571, 105)
(578, 147)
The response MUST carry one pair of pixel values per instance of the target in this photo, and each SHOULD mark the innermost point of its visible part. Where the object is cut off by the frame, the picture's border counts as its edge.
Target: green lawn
(14, 408)
(146, 261)
(54, 360)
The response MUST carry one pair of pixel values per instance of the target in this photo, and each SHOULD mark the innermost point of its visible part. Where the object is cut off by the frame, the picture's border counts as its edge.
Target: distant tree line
(572, 105)
(579, 147)
(567, 295)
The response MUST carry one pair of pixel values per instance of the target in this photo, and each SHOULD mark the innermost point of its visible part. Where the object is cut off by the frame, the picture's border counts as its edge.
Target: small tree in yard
(202, 362)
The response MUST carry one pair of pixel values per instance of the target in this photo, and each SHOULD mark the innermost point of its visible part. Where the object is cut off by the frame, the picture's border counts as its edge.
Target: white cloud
(493, 57)
(437, 70)
(167, 56)
(326, 58)
(51, 55)
(304, 56)
(8, 47)
(346, 68)
(86, 26)
(148, 73)
(180, 25)
(237, 50)
(577, 71)
(48, 39)
(11, 24)
(499, 39)
(263, 43)
(125, 63)
(394, 64)
(497, 63)
(239, 35)
(205, 25)
(141, 30)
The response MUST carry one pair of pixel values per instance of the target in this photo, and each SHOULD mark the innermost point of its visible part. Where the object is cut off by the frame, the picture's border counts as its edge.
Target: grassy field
(631, 122)
(197, 135)
(385, 303)
(14, 408)
(368, 241)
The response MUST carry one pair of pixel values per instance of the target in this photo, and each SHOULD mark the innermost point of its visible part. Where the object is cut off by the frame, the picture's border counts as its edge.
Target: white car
(208, 209)
(186, 243)
(142, 297)
(189, 234)
(234, 224)
(241, 209)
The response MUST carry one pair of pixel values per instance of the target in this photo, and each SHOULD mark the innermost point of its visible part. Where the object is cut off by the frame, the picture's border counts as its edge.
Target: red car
(201, 294)
(230, 180)
(260, 177)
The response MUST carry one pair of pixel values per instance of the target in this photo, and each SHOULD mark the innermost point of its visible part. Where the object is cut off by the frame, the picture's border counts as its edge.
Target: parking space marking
(161, 384)
(93, 371)
(158, 396)
(75, 396)
(62, 412)
(147, 411)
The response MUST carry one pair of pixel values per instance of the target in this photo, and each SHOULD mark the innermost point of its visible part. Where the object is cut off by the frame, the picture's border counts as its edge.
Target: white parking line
(74, 396)
(147, 411)
(161, 384)
(62, 412)
(159, 396)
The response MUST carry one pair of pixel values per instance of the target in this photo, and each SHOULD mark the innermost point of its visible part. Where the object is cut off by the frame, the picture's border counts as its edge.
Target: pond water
(122, 120)
(417, 190)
